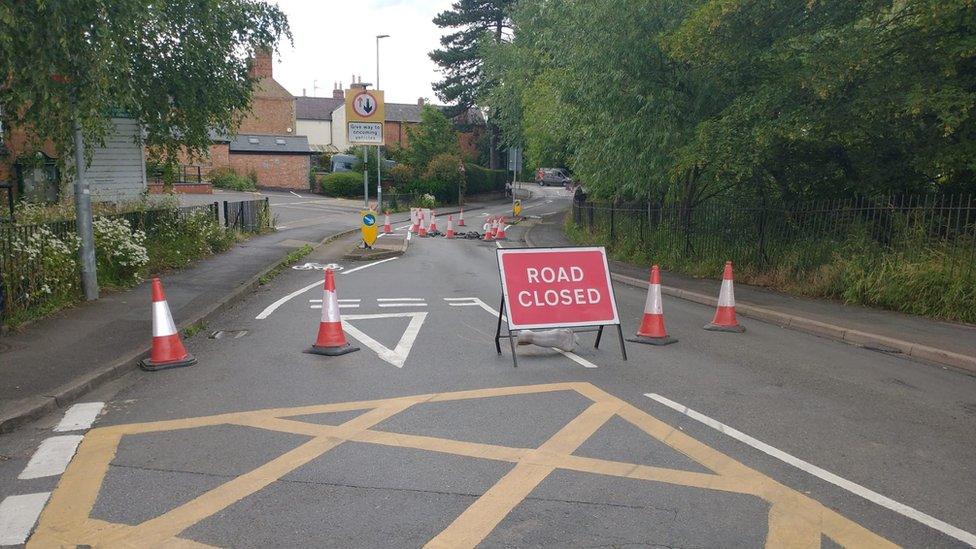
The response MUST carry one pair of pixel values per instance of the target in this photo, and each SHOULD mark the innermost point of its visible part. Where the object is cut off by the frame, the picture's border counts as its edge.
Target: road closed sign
(556, 287)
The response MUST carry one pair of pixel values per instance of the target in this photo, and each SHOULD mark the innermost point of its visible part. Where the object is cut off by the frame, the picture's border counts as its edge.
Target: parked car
(553, 176)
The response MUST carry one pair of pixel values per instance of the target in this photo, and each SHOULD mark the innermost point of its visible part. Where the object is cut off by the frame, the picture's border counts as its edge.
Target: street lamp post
(379, 161)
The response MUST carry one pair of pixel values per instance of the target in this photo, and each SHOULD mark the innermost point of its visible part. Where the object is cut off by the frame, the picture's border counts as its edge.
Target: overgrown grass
(918, 278)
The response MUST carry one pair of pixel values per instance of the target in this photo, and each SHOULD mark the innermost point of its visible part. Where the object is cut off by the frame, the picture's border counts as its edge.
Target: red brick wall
(216, 158)
(16, 143)
(274, 170)
(270, 116)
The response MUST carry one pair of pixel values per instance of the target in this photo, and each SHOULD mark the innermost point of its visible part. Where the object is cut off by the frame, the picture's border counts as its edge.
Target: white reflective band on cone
(162, 321)
(330, 307)
(726, 298)
(652, 305)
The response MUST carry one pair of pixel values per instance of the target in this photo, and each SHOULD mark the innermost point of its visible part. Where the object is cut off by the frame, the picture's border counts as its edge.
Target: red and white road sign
(556, 287)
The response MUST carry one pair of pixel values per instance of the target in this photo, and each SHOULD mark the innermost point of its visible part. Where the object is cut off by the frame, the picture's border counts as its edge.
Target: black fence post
(216, 211)
(612, 210)
(226, 218)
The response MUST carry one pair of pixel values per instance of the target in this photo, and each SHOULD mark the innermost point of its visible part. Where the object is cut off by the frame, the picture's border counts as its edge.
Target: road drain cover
(228, 334)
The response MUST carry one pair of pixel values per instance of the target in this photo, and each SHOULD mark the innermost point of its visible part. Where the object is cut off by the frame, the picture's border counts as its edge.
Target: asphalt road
(427, 436)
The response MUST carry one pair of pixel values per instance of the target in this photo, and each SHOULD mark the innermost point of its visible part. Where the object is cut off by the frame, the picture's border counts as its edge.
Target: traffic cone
(167, 347)
(488, 234)
(387, 228)
(461, 218)
(494, 228)
(652, 330)
(724, 320)
(432, 228)
(500, 229)
(421, 228)
(450, 227)
(415, 216)
(331, 340)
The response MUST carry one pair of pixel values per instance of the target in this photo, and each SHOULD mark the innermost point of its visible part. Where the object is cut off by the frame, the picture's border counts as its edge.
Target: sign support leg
(599, 335)
(623, 350)
(498, 330)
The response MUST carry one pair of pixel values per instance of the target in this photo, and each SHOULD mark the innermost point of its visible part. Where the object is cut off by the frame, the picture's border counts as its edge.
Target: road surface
(427, 437)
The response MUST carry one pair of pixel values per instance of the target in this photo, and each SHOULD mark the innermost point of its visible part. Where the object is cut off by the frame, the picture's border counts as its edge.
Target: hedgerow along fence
(17, 269)
(839, 248)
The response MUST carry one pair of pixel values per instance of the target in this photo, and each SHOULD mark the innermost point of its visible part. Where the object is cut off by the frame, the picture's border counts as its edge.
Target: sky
(334, 39)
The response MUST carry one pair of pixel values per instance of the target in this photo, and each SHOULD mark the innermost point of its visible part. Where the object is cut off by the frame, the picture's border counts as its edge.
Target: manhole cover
(228, 334)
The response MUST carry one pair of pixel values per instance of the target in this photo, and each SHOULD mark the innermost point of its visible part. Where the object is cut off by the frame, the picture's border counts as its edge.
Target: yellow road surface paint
(794, 520)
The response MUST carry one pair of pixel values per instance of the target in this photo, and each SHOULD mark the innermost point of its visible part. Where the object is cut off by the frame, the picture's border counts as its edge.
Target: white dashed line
(401, 299)
(80, 416)
(51, 457)
(822, 474)
(18, 514)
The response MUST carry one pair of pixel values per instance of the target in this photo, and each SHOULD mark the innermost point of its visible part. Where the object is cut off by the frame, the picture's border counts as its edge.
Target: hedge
(343, 184)
(483, 180)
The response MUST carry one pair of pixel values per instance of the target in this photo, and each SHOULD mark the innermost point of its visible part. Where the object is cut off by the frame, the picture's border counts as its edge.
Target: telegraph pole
(379, 161)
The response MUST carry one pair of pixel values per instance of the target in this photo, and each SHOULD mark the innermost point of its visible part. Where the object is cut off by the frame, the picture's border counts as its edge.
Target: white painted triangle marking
(398, 355)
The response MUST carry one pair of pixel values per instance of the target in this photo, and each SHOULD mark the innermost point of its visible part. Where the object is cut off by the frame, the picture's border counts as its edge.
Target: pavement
(427, 437)
(51, 362)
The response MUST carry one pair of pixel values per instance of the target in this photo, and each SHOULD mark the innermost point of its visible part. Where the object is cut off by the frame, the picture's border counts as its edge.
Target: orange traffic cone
(421, 228)
(461, 218)
(331, 340)
(652, 330)
(387, 228)
(500, 229)
(415, 217)
(450, 227)
(488, 234)
(167, 347)
(432, 228)
(724, 320)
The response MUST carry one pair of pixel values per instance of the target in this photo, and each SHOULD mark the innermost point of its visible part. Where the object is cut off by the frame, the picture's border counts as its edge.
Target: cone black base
(331, 351)
(150, 366)
(737, 329)
(666, 340)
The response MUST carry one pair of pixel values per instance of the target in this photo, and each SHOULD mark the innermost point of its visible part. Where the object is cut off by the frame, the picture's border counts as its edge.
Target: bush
(445, 168)
(402, 174)
(483, 180)
(120, 252)
(443, 192)
(227, 178)
(343, 184)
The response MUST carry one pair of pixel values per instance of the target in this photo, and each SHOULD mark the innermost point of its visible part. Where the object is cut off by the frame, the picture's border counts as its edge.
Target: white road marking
(274, 306)
(80, 416)
(368, 265)
(499, 244)
(400, 298)
(407, 226)
(341, 305)
(475, 302)
(411, 304)
(409, 236)
(339, 300)
(296, 194)
(822, 474)
(18, 514)
(51, 457)
(398, 355)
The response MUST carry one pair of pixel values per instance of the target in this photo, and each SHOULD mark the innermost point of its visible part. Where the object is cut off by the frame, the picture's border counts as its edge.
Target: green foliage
(180, 67)
(482, 180)
(292, 257)
(445, 168)
(426, 201)
(120, 252)
(782, 100)
(402, 173)
(438, 190)
(227, 178)
(343, 184)
(434, 135)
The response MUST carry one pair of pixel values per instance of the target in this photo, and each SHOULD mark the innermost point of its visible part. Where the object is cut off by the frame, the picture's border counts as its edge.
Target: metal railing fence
(803, 235)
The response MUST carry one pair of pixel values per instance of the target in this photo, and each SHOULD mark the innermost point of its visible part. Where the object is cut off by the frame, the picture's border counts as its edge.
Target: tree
(460, 56)
(434, 135)
(180, 67)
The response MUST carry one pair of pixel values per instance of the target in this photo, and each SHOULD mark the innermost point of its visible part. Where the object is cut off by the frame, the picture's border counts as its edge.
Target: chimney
(337, 93)
(420, 101)
(261, 64)
(303, 93)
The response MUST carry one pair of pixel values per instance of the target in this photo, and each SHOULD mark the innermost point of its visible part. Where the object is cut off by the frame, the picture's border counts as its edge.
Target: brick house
(267, 143)
(322, 119)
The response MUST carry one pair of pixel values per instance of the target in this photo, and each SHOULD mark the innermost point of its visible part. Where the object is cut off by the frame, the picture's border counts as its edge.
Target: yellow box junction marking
(794, 520)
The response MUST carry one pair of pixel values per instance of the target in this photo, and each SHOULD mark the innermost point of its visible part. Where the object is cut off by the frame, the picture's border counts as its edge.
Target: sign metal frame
(577, 327)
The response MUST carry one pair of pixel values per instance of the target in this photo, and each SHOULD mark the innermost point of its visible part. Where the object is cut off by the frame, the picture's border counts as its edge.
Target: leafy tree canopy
(433, 136)
(180, 67)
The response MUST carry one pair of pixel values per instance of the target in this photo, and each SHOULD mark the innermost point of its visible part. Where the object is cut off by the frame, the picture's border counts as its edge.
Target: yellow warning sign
(517, 208)
(365, 106)
(368, 227)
